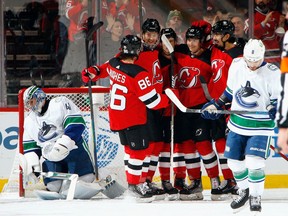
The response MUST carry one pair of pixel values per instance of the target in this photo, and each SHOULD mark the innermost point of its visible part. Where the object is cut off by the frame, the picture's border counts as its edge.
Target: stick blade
(167, 43)
(93, 29)
(175, 100)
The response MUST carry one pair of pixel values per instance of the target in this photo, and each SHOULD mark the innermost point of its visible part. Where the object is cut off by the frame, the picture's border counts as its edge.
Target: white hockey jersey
(61, 117)
(252, 91)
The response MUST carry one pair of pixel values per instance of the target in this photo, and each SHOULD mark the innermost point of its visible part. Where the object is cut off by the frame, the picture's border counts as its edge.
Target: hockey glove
(90, 73)
(207, 111)
(32, 163)
(272, 109)
(59, 150)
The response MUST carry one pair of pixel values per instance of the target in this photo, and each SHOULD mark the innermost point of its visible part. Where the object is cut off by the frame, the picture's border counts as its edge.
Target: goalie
(53, 130)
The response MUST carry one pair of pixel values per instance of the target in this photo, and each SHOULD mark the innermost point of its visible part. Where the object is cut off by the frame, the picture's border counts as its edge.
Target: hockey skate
(225, 190)
(172, 193)
(240, 202)
(141, 192)
(191, 192)
(255, 203)
(158, 193)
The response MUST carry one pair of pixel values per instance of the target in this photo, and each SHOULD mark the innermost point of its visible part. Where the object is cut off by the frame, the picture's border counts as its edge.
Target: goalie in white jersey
(53, 129)
(252, 85)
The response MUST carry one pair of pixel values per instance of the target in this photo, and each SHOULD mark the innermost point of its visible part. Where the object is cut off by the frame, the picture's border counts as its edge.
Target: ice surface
(274, 203)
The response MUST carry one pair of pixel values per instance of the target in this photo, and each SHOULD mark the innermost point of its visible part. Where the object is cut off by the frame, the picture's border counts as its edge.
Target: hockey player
(53, 129)
(282, 117)
(252, 85)
(132, 92)
(149, 60)
(169, 80)
(225, 49)
(192, 133)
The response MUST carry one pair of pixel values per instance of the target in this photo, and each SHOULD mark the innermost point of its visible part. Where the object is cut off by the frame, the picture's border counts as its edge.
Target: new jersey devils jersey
(131, 92)
(189, 70)
(148, 59)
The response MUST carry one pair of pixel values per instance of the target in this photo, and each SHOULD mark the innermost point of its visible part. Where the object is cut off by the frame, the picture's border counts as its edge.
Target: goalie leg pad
(85, 190)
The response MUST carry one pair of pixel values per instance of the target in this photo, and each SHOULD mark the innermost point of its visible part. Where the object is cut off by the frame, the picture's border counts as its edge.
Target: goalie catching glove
(90, 73)
(59, 150)
(207, 111)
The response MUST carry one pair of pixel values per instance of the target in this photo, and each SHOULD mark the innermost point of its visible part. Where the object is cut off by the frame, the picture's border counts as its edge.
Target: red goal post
(109, 151)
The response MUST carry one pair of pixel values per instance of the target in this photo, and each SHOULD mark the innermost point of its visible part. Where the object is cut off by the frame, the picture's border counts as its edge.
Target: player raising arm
(282, 117)
(131, 94)
(252, 85)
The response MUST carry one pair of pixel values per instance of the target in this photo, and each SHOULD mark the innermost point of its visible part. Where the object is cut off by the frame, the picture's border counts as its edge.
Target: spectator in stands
(75, 60)
(209, 15)
(265, 24)
(174, 21)
(121, 9)
(239, 22)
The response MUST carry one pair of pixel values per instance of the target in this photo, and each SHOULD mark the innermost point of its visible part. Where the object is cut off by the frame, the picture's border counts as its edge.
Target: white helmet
(253, 53)
(37, 93)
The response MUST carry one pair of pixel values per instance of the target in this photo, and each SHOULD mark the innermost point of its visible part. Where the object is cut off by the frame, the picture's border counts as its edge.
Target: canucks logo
(246, 95)
(47, 132)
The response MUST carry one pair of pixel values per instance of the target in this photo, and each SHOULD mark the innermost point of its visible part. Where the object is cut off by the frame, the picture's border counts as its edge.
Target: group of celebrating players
(237, 78)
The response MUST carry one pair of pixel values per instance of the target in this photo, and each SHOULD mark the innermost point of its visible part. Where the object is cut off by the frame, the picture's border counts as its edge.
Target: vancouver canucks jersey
(252, 91)
(61, 117)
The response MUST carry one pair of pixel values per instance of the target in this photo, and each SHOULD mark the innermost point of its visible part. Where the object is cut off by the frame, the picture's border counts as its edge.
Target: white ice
(274, 203)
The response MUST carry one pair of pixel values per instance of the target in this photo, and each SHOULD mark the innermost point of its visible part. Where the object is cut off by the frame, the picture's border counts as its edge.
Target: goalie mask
(34, 99)
(253, 54)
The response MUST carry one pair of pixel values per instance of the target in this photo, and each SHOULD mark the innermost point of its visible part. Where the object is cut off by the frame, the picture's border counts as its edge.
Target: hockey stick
(170, 48)
(89, 36)
(184, 109)
(205, 88)
(208, 97)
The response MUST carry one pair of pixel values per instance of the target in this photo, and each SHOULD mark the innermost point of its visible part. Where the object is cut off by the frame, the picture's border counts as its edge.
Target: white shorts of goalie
(274, 202)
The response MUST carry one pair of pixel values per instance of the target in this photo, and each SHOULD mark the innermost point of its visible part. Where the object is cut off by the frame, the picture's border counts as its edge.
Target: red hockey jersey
(189, 69)
(131, 93)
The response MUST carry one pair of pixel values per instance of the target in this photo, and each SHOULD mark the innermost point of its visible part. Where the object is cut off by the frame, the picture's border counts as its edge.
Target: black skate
(240, 202)
(191, 192)
(225, 190)
(158, 193)
(172, 193)
(255, 203)
(141, 192)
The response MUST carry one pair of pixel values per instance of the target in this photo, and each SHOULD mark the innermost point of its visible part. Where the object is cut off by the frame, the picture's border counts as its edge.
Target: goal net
(110, 153)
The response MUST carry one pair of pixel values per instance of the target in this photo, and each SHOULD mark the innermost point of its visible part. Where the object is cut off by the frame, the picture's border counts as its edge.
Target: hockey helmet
(224, 27)
(253, 53)
(194, 32)
(131, 44)
(31, 93)
(169, 33)
(151, 25)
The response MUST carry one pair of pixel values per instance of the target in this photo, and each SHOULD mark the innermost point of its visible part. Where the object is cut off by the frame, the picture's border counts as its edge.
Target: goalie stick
(89, 37)
(170, 48)
(184, 109)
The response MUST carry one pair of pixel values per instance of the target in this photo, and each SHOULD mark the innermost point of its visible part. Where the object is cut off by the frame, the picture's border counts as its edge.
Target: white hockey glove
(59, 150)
(32, 163)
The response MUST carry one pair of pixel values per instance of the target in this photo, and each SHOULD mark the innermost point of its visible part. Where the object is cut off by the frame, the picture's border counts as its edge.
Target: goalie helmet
(253, 53)
(224, 27)
(131, 45)
(34, 99)
(151, 25)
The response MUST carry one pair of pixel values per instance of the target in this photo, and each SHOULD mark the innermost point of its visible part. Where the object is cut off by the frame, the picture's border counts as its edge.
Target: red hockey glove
(204, 25)
(90, 73)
